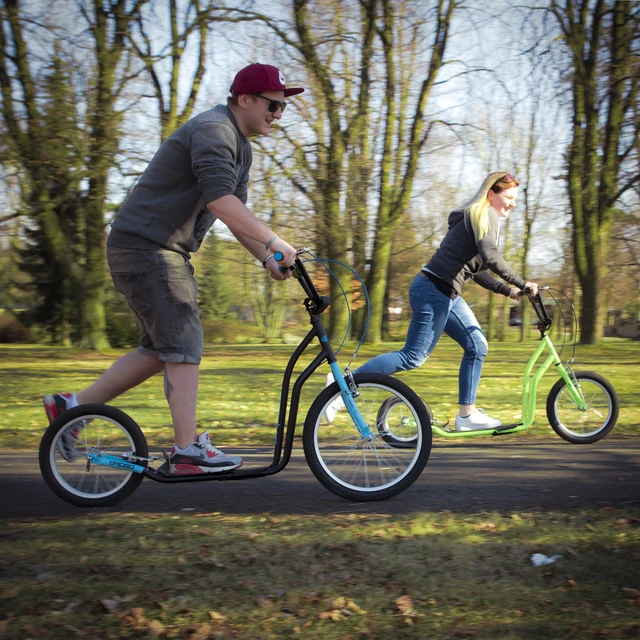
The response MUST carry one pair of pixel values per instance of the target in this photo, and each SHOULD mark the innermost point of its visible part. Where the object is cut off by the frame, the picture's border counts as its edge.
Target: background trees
(602, 40)
(61, 136)
(371, 76)
(407, 105)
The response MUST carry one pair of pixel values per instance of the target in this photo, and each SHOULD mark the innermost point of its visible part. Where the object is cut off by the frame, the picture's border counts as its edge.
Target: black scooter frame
(315, 304)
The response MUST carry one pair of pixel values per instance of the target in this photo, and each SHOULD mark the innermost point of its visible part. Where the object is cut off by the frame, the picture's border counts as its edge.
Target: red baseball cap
(261, 77)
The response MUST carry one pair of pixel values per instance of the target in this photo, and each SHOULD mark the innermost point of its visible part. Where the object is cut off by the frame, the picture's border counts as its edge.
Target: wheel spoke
(588, 424)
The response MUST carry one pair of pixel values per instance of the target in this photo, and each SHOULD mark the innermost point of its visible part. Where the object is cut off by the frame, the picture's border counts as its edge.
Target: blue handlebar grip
(278, 255)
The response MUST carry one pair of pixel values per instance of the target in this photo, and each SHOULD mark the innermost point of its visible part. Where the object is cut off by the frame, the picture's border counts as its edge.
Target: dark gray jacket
(460, 257)
(206, 158)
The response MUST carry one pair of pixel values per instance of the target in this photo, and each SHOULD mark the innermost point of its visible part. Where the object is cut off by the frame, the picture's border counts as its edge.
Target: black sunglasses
(274, 105)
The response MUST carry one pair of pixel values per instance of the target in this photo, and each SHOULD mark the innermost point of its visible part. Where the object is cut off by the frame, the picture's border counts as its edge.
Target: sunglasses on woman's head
(508, 178)
(274, 105)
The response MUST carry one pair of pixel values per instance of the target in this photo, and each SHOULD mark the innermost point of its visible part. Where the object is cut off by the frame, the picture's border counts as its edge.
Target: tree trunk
(78, 252)
(396, 179)
(605, 90)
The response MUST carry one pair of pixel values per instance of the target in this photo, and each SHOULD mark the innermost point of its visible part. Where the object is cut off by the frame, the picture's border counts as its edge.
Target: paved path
(502, 476)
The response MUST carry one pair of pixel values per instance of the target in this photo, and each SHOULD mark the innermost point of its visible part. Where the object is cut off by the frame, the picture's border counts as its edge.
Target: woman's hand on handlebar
(530, 289)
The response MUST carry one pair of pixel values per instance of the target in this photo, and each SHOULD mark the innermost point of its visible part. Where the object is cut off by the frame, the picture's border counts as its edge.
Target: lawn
(349, 576)
(202, 576)
(240, 387)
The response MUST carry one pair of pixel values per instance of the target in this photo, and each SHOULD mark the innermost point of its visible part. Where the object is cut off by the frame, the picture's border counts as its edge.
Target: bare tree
(602, 39)
(78, 258)
(190, 22)
(367, 123)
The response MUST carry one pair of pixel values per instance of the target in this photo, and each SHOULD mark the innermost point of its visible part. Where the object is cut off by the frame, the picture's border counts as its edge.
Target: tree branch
(11, 216)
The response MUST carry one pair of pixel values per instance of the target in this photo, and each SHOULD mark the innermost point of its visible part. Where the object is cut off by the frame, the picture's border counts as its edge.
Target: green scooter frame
(529, 395)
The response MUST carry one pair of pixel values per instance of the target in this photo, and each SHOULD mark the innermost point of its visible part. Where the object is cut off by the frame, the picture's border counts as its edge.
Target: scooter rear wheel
(96, 429)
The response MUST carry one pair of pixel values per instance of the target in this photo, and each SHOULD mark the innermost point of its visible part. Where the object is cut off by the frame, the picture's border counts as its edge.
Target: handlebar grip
(278, 255)
(527, 290)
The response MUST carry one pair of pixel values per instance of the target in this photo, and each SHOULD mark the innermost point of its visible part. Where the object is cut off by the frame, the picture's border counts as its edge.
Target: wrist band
(264, 262)
(266, 246)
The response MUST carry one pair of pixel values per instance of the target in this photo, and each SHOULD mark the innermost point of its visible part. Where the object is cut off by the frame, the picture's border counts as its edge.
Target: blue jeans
(433, 313)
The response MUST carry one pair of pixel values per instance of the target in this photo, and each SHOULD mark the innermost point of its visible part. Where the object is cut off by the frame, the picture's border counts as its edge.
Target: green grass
(240, 387)
(339, 577)
(348, 576)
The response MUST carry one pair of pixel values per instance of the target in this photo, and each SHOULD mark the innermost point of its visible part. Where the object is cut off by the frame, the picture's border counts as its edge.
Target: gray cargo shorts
(162, 293)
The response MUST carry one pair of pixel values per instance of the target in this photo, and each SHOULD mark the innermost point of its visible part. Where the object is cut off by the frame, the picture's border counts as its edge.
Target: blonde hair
(478, 205)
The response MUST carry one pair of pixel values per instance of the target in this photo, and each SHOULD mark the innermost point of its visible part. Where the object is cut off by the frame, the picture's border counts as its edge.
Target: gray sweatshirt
(460, 257)
(206, 158)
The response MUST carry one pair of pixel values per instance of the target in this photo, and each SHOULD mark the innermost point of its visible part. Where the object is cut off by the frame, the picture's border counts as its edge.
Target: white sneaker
(476, 420)
(336, 405)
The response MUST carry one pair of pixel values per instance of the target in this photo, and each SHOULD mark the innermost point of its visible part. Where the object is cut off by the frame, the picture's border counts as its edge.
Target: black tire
(358, 469)
(578, 426)
(101, 429)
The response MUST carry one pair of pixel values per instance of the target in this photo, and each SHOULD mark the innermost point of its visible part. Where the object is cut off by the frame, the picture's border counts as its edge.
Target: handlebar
(544, 320)
(315, 302)
(526, 291)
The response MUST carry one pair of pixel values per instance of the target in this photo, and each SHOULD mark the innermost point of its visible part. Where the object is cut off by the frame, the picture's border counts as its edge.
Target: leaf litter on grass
(414, 576)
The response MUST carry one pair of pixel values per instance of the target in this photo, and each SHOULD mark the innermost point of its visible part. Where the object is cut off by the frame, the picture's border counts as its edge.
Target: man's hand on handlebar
(280, 247)
(277, 271)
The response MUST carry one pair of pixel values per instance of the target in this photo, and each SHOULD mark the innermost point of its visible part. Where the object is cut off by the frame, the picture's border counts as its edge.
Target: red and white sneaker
(201, 457)
(58, 403)
(54, 406)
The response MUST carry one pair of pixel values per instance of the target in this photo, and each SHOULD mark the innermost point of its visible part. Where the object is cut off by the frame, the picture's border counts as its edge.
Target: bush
(13, 331)
(230, 332)
(122, 330)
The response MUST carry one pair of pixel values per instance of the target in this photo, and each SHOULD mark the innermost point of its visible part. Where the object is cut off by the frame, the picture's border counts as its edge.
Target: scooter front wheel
(368, 468)
(91, 429)
(591, 423)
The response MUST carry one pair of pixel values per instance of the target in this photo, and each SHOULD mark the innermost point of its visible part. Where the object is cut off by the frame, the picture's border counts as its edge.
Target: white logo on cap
(280, 77)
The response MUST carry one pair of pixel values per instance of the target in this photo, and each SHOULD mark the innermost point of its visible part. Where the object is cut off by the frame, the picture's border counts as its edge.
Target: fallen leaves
(252, 535)
(405, 605)
(155, 628)
(229, 576)
(407, 609)
(341, 608)
(632, 596)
